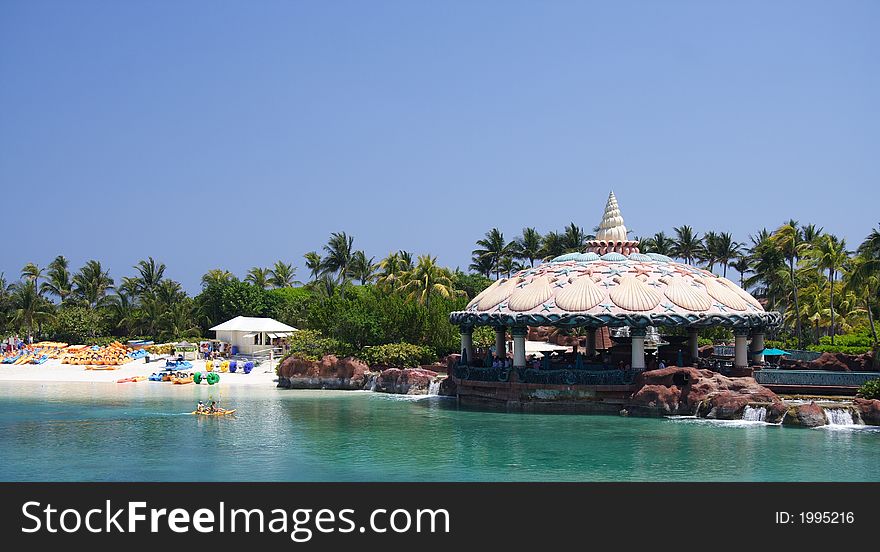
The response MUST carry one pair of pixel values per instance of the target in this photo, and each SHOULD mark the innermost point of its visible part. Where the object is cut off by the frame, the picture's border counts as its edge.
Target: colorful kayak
(133, 379)
(221, 413)
(181, 381)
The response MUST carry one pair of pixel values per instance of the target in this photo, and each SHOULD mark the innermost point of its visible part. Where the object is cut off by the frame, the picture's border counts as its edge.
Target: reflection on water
(144, 432)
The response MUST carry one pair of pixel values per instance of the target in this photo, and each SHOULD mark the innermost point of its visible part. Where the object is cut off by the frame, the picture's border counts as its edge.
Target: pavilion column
(638, 349)
(501, 342)
(519, 347)
(758, 346)
(694, 345)
(591, 342)
(740, 356)
(467, 345)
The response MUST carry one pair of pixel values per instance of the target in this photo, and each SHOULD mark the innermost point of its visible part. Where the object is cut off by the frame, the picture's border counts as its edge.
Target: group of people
(501, 362)
(15, 343)
(202, 408)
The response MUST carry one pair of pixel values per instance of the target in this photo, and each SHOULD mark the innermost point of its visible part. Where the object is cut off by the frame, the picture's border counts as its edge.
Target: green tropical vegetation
(829, 295)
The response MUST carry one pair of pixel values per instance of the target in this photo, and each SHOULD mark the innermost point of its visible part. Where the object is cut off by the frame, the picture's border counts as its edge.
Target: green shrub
(75, 325)
(312, 345)
(870, 389)
(484, 336)
(861, 339)
(850, 350)
(397, 355)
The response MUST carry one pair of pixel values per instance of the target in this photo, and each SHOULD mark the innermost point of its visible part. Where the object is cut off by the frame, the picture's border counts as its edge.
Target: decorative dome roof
(615, 289)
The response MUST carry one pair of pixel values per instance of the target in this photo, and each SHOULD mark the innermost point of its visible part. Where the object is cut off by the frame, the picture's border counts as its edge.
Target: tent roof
(251, 324)
(542, 346)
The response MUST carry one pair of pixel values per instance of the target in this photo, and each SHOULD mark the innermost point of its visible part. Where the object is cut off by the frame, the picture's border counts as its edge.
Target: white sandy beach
(54, 371)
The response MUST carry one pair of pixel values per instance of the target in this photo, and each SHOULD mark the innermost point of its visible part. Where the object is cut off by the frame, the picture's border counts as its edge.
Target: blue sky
(232, 134)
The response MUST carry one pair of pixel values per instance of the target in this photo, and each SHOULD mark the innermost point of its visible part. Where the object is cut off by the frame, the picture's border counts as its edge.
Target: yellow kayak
(221, 413)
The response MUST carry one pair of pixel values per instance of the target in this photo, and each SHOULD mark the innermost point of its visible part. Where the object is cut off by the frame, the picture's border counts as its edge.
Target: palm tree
(169, 292)
(575, 239)
(726, 250)
(216, 276)
(57, 281)
(707, 252)
(863, 280)
(493, 248)
(258, 276)
(179, 320)
(688, 245)
(553, 246)
(339, 252)
(508, 265)
(30, 309)
(481, 265)
(788, 240)
(830, 254)
(870, 248)
(92, 283)
(528, 246)
(810, 233)
(32, 273)
(362, 268)
(389, 272)
(406, 260)
(150, 274)
(741, 264)
(313, 263)
(428, 279)
(659, 243)
(766, 263)
(282, 275)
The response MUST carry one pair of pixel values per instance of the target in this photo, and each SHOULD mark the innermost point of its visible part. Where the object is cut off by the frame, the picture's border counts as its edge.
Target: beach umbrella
(774, 352)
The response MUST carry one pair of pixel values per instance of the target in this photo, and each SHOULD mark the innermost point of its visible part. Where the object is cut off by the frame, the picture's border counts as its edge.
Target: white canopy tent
(539, 348)
(249, 334)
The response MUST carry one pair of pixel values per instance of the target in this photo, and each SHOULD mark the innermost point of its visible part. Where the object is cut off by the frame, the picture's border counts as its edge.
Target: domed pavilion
(613, 284)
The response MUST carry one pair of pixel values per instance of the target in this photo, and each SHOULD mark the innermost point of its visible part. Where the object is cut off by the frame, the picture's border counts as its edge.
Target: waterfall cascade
(372, 385)
(434, 387)
(751, 414)
(839, 417)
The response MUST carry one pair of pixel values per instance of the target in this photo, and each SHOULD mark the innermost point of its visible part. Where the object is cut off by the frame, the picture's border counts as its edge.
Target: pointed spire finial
(611, 229)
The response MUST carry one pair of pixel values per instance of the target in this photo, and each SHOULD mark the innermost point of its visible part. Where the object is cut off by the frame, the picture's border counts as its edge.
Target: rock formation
(688, 391)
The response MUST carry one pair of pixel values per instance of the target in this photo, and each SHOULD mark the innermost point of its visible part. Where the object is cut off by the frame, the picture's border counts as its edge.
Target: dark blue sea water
(109, 432)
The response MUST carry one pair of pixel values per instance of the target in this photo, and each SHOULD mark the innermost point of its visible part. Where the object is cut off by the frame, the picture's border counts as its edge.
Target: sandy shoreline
(54, 371)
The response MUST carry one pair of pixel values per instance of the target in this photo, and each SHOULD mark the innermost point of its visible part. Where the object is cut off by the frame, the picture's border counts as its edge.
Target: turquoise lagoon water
(109, 432)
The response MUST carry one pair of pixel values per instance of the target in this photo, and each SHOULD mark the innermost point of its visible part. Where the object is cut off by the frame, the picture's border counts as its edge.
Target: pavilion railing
(549, 377)
(575, 377)
(814, 378)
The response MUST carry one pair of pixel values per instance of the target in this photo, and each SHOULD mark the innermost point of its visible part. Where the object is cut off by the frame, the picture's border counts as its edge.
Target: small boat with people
(211, 410)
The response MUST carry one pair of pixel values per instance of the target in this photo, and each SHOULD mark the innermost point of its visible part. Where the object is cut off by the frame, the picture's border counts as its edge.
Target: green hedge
(870, 389)
(861, 339)
(850, 350)
(397, 355)
(312, 345)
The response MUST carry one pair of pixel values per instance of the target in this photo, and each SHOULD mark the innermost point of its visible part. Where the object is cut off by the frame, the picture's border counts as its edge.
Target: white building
(250, 335)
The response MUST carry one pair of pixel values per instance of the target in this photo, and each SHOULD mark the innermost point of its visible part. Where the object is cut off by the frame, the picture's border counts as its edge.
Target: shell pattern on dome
(614, 284)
